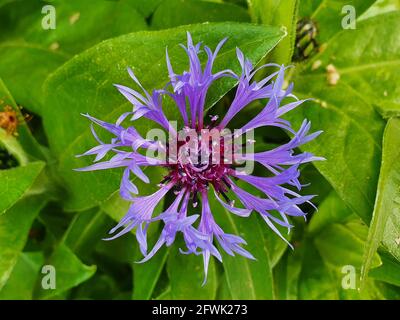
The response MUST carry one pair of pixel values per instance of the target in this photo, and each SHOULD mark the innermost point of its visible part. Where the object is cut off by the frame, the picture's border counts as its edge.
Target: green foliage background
(52, 215)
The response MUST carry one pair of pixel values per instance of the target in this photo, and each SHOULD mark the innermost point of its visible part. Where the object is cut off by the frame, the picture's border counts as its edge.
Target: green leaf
(332, 210)
(247, 279)
(25, 65)
(320, 281)
(351, 128)
(348, 251)
(78, 26)
(166, 295)
(224, 293)
(14, 228)
(335, 221)
(388, 271)
(326, 256)
(186, 275)
(70, 272)
(85, 231)
(31, 53)
(71, 91)
(119, 250)
(385, 221)
(146, 275)
(22, 280)
(15, 183)
(369, 65)
(99, 287)
(328, 14)
(381, 6)
(173, 13)
(287, 273)
(146, 7)
(316, 282)
(278, 13)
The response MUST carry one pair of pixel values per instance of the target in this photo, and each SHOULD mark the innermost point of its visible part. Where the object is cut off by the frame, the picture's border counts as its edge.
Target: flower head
(202, 158)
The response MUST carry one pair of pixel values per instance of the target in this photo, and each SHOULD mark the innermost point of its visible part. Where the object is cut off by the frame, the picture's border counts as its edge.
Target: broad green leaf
(331, 223)
(25, 65)
(121, 250)
(247, 279)
(327, 14)
(384, 225)
(379, 7)
(173, 13)
(388, 291)
(348, 251)
(15, 183)
(224, 293)
(388, 271)
(14, 229)
(278, 13)
(99, 287)
(22, 280)
(71, 91)
(84, 23)
(77, 24)
(335, 221)
(351, 128)
(186, 275)
(166, 295)
(31, 53)
(70, 272)
(319, 281)
(369, 65)
(315, 280)
(332, 210)
(86, 229)
(146, 7)
(287, 273)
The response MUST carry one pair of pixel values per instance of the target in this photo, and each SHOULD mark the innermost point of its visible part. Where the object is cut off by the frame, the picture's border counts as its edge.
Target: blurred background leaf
(279, 13)
(16, 182)
(70, 272)
(23, 277)
(29, 53)
(14, 229)
(173, 13)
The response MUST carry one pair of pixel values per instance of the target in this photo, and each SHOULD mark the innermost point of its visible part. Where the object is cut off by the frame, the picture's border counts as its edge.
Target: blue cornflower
(187, 179)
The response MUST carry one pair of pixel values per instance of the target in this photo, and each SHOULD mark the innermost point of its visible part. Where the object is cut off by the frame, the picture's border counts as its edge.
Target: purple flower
(199, 169)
